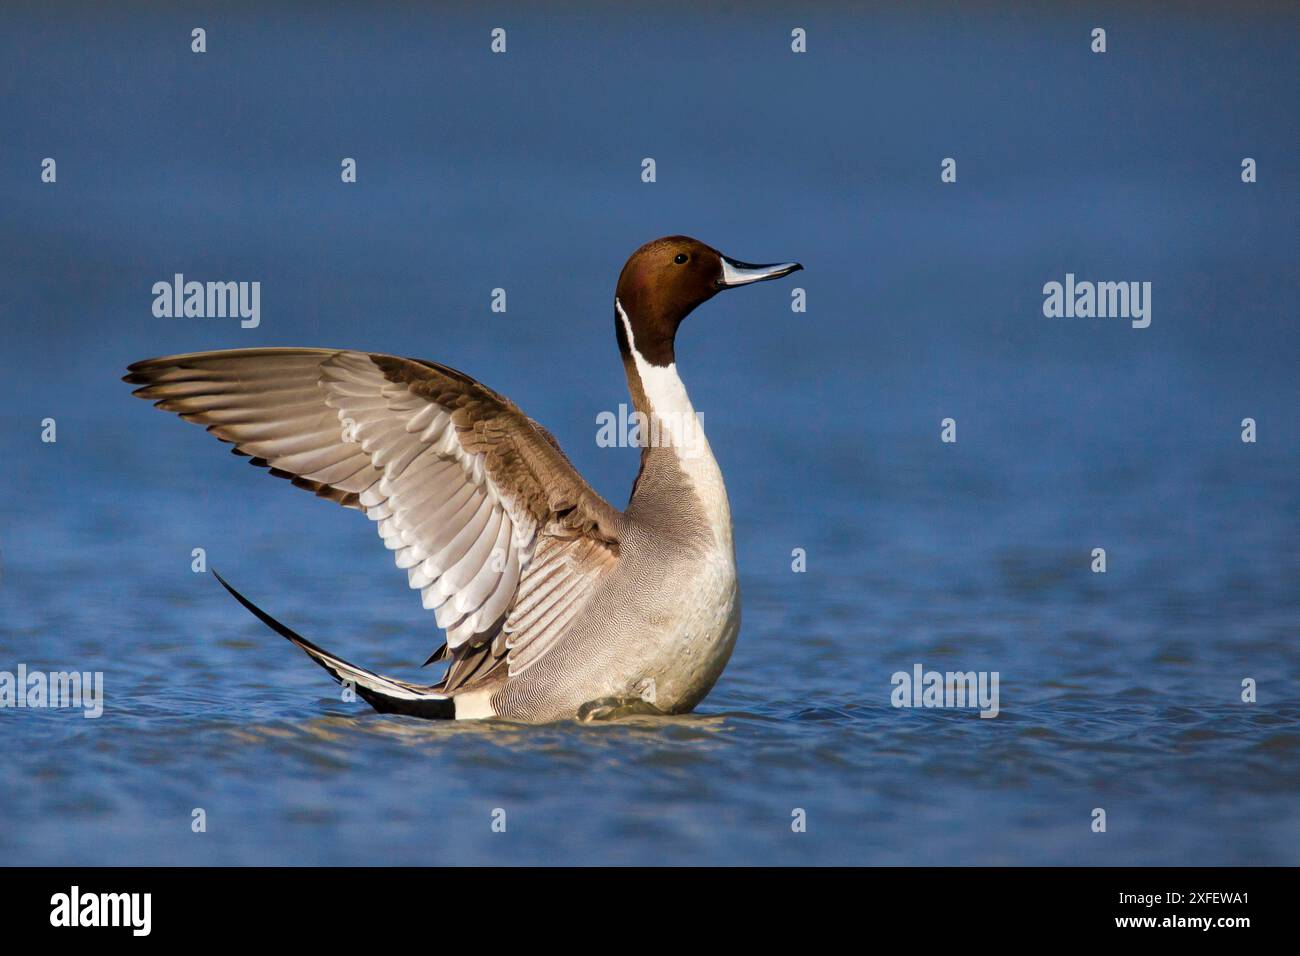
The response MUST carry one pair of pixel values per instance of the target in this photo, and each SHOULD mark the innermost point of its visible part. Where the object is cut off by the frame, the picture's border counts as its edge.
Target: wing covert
(500, 534)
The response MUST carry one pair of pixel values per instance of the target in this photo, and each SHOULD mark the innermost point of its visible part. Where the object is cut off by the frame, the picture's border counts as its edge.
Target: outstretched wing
(493, 525)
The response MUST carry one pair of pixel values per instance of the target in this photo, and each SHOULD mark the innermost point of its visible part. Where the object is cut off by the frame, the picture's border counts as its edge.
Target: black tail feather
(386, 694)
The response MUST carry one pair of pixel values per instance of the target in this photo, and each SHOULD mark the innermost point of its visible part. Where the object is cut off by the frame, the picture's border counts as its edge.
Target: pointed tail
(386, 694)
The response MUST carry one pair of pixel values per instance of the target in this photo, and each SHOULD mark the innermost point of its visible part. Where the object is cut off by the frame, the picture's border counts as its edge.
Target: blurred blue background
(924, 301)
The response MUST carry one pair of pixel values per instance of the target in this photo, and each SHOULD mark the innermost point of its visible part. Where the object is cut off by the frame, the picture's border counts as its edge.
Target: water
(1120, 691)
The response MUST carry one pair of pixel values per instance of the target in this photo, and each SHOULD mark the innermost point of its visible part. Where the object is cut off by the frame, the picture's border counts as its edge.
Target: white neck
(675, 424)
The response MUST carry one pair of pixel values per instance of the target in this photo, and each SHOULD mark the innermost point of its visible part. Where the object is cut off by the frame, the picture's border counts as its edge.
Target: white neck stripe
(675, 422)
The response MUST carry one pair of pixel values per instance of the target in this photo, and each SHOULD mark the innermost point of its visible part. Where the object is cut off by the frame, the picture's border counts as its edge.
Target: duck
(555, 604)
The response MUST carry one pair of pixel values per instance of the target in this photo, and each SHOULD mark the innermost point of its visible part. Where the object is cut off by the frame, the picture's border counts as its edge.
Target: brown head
(665, 280)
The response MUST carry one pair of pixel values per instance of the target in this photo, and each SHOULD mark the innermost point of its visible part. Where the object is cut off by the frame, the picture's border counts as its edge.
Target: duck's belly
(647, 645)
(695, 635)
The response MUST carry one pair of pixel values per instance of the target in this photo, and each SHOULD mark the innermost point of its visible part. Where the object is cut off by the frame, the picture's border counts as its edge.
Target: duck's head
(666, 279)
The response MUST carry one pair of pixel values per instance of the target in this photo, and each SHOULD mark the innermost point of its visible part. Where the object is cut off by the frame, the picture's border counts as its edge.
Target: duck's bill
(743, 273)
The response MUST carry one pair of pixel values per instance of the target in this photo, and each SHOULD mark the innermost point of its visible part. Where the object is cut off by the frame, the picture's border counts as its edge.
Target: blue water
(1119, 691)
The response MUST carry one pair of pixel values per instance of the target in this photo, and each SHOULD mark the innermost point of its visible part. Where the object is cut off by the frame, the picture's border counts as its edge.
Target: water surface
(1119, 690)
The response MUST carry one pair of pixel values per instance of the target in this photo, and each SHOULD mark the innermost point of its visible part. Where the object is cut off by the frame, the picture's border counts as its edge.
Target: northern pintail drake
(555, 604)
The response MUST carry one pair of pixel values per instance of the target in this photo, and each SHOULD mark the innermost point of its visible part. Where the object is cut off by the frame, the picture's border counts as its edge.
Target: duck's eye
(680, 258)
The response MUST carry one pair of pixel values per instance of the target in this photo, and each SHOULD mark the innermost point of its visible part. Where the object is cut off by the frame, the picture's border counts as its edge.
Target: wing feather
(493, 525)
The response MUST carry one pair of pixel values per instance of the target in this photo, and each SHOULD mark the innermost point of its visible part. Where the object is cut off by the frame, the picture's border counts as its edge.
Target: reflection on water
(349, 730)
